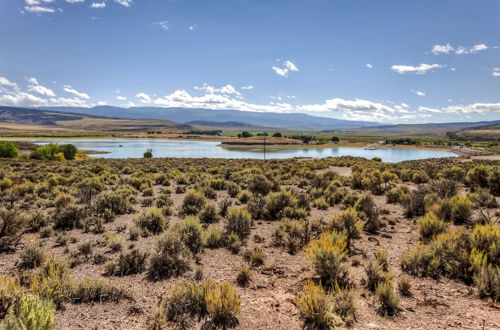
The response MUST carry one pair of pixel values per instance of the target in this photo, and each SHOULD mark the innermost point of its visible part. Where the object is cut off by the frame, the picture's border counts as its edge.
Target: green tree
(148, 153)
(246, 134)
(8, 149)
(69, 151)
(277, 134)
(335, 139)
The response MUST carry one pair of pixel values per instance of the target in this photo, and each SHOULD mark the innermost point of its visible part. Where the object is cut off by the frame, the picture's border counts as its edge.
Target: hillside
(22, 120)
(423, 129)
(481, 133)
(293, 121)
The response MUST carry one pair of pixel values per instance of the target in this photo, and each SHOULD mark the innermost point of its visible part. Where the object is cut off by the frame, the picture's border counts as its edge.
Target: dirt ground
(267, 303)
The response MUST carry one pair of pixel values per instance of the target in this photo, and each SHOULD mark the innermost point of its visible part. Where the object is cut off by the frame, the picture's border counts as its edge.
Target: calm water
(134, 148)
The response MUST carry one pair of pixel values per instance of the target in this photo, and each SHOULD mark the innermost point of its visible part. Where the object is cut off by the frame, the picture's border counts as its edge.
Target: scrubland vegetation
(200, 243)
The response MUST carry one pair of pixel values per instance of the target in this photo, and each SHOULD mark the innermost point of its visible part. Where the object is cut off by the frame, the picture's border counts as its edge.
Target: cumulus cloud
(7, 83)
(71, 90)
(284, 71)
(420, 69)
(98, 5)
(228, 89)
(22, 99)
(42, 90)
(121, 98)
(124, 3)
(496, 72)
(247, 88)
(144, 98)
(75, 1)
(475, 108)
(369, 66)
(460, 50)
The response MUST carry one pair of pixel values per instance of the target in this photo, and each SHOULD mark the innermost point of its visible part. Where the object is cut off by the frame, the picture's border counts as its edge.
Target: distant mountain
(294, 121)
(423, 129)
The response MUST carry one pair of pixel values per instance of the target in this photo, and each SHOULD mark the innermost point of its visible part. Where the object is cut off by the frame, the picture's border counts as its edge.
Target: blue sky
(387, 60)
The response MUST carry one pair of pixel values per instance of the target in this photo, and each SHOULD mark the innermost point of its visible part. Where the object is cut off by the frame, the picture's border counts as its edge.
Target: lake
(134, 148)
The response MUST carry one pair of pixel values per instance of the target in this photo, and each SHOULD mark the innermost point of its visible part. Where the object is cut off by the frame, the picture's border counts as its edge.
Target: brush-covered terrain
(282, 244)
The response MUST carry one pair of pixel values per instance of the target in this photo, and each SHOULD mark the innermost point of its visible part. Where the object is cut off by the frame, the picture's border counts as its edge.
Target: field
(246, 244)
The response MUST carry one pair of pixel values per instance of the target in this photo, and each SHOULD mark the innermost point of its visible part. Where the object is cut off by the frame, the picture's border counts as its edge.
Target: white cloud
(71, 90)
(121, 98)
(420, 69)
(495, 72)
(7, 83)
(228, 89)
(427, 109)
(460, 50)
(42, 90)
(37, 2)
(32, 81)
(22, 99)
(369, 66)
(442, 49)
(75, 1)
(477, 108)
(39, 9)
(98, 5)
(125, 3)
(247, 88)
(418, 93)
(162, 24)
(284, 71)
(193, 27)
(144, 98)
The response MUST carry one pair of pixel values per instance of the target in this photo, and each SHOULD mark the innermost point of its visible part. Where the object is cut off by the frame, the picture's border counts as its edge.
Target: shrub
(114, 201)
(404, 286)
(375, 275)
(255, 256)
(209, 214)
(244, 196)
(148, 153)
(10, 290)
(133, 262)
(430, 225)
(223, 305)
(315, 308)
(193, 202)
(487, 280)
(52, 282)
(349, 223)
(244, 276)
(259, 184)
(419, 177)
(366, 207)
(171, 257)
(278, 203)
(152, 221)
(31, 257)
(238, 222)
(30, 312)
(388, 299)
(233, 189)
(92, 290)
(212, 237)
(233, 242)
(69, 151)
(190, 231)
(68, 217)
(344, 305)
(89, 188)
(461, 209)
(482, 198)
(11, 227)
(327, 255)
(8, 149)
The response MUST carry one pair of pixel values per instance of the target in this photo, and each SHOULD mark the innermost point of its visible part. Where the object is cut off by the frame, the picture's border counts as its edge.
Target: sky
(391, 61)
